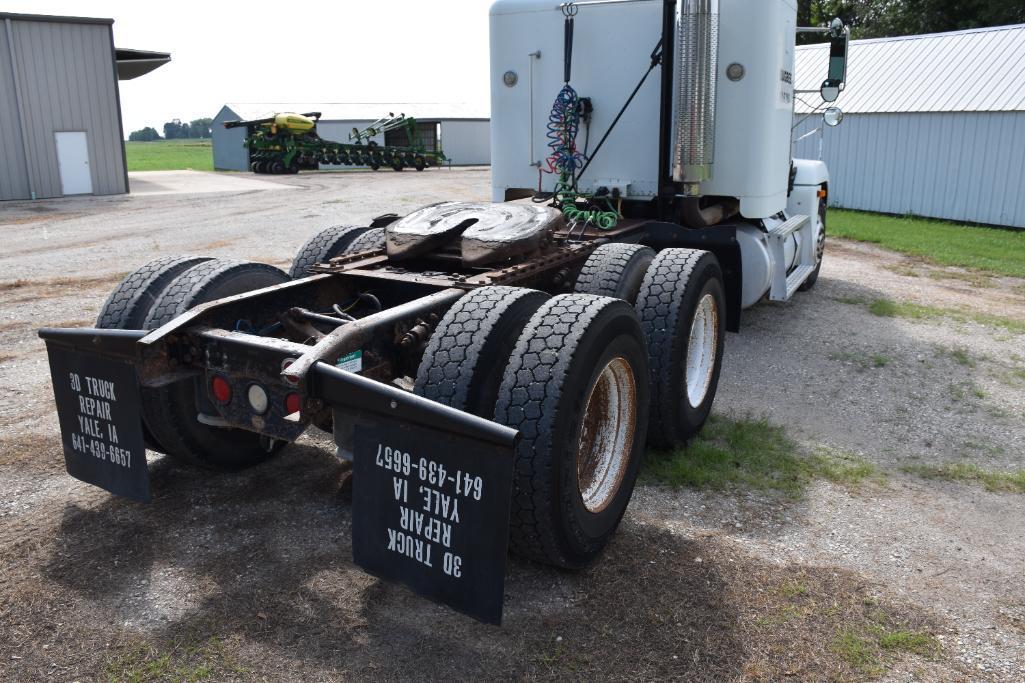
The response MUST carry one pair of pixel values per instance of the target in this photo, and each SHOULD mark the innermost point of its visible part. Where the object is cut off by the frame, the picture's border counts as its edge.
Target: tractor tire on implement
(172, 411)
(683, 312)
(615, 270)
(323, 246)
(466, 356)
(577, 389)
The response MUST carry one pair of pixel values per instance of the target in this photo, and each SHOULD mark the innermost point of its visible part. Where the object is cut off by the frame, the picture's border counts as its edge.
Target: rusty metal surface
(353, 335)
(533, 267)
(359, 259)
(420, 278)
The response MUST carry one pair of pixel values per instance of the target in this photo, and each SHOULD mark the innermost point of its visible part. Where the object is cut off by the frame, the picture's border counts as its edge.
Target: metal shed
(464, 129)
(934, 125)
(60, 112)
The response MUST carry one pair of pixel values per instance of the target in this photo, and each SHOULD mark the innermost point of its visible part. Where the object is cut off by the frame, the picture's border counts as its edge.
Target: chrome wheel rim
(701, 349)
(606, 434)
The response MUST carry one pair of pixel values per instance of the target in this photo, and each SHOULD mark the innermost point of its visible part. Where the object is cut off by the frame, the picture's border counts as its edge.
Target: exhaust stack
(698, 43)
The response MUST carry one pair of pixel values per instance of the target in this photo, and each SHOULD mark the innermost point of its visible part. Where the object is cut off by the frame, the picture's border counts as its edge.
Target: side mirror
(832, 116)
(839, 37)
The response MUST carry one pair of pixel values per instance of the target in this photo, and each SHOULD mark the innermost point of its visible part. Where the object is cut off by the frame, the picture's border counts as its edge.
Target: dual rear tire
(632, 358)
(570, 373)
(157, 293)
(680, 299)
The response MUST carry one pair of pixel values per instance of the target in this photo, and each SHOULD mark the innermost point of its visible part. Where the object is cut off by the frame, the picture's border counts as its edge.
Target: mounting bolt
(394, 405)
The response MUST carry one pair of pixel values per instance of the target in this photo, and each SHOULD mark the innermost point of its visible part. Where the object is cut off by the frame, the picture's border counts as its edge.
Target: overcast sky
(236, 51)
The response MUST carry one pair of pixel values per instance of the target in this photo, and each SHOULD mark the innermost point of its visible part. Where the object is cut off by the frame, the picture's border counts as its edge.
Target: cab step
(784, 284)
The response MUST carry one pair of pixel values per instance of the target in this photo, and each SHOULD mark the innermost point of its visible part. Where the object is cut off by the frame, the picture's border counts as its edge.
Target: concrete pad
(196, 182)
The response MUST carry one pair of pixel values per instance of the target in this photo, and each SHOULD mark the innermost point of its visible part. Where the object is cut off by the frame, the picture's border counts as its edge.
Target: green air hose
(566, 198)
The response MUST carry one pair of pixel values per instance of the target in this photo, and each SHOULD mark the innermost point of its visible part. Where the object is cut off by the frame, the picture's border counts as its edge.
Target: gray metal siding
(67, 80)
(467, 142)
(13, 173)
(964, 166)
(975, 70)
(230, 153)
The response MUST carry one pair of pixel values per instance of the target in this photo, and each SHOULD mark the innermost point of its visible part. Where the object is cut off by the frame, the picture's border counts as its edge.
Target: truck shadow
(264, 559)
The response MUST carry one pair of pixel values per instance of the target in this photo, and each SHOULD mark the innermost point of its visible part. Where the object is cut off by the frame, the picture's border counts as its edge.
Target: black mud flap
(97, 395)
(431, 493)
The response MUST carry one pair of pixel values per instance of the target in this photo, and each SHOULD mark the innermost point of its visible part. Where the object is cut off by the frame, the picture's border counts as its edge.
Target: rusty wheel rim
(606, 434)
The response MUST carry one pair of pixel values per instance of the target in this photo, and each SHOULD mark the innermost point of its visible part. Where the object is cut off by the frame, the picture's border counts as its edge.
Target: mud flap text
(431, 510)
(100, 420)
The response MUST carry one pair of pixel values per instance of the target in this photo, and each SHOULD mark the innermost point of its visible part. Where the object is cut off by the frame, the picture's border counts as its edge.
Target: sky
(310, 51)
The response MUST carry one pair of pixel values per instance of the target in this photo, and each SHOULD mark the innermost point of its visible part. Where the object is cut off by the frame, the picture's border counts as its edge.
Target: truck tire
(323, 246)
(820, 249)
(615, 270)
(171, 411)
(128, 305)
(466, 356)
(683, 312)
(576, 388)
(371, 239)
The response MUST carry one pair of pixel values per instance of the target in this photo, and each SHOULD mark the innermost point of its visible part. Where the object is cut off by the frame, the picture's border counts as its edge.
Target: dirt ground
(249, 576)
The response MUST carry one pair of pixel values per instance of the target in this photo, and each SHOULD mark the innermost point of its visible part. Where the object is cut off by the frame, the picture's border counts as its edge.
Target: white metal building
(60, 116)
(462, 130)
(934, 125)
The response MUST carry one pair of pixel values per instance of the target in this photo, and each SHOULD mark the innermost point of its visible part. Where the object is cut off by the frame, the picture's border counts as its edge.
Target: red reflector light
(292, 403)
(220, 389)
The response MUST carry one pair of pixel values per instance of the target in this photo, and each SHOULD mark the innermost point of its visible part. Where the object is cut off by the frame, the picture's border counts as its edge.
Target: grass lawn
(170, 155)
(987, 249)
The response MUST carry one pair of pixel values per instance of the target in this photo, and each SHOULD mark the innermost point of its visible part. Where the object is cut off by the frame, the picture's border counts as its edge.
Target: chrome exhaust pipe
(698, 43)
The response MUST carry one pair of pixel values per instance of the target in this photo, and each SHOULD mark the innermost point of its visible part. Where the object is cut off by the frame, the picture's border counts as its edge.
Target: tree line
(174, 130)
(887, 18)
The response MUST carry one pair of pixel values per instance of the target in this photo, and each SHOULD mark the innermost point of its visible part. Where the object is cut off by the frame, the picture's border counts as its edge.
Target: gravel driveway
(249, 576)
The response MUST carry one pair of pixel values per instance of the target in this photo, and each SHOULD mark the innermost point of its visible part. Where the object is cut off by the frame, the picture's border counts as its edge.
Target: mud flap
(431, 493)
(97, 396)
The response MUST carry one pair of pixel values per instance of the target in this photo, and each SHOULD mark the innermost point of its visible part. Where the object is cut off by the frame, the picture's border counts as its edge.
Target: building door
(73, 159)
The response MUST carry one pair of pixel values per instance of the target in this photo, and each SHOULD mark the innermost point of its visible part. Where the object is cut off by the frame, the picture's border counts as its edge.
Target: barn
(934, 125)
(462, 131)
(60, 113)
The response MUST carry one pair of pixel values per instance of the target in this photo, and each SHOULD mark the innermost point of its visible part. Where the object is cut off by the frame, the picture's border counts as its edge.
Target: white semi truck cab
(705, 139)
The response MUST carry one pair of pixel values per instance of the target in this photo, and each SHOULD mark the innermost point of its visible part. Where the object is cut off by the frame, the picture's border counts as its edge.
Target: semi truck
(493, 371)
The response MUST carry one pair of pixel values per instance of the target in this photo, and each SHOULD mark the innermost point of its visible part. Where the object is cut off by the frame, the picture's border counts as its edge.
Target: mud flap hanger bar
(337, 388)
(350, 392)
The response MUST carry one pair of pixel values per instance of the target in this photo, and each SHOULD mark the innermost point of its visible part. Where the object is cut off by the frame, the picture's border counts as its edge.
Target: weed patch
(755, 454)
(888, 308)
(901, 269)
(1013, 481)
(860, 359)
(185, 663)
(962, 357)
